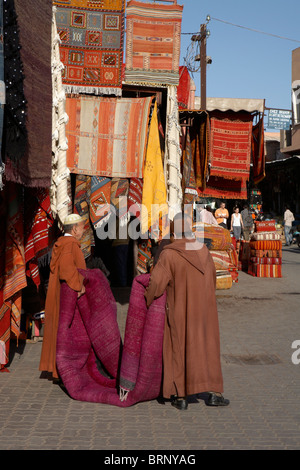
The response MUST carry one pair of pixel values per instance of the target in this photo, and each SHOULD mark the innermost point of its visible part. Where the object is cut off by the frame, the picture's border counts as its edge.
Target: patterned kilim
(152, 43)
(144, 255)
(230, 148)
(81, 207)
(119, 194)
(218, 236)
(100, 200)
(91, 48)
(135, 196)
(107, 136)
(225, 188)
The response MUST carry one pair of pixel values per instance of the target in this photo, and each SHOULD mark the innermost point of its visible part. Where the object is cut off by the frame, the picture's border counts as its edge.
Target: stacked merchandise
(224, 256)
(266, 250)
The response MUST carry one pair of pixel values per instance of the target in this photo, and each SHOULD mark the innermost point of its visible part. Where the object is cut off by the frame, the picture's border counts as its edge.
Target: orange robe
(191, 348)
(67, 257)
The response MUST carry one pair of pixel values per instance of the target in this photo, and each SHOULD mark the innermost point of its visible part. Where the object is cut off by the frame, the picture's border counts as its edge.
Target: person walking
(247, 222)
(288, 218)
(191, 347)
(67, 257)
(236, 223)
(222, 215)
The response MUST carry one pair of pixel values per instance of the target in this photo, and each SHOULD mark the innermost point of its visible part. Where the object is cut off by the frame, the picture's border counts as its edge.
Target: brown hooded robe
(191, 351)
(66, 258)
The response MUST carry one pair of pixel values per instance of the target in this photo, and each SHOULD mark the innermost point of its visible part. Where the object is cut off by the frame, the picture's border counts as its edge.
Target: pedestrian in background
(222, 215)
(236, 223)
(288, 218)
(247, 222)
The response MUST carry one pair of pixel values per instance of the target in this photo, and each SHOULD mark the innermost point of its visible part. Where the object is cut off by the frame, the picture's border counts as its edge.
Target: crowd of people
(240, 223)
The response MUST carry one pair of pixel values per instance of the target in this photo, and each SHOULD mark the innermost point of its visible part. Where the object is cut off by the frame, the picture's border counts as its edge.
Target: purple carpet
(91, 360)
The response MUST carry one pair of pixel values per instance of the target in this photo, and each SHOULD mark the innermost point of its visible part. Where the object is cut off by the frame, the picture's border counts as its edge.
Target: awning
(233, 104)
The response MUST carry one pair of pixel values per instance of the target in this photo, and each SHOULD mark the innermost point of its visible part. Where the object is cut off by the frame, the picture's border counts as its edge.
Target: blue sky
(246, 64)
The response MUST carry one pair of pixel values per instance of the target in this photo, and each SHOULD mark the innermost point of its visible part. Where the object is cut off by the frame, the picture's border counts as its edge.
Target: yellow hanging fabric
(154, 195)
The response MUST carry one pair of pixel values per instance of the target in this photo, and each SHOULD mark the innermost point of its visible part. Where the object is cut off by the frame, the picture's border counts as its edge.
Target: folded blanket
(89, 353)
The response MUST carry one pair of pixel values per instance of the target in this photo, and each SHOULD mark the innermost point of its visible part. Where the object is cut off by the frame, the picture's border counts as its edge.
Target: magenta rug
(91, 360)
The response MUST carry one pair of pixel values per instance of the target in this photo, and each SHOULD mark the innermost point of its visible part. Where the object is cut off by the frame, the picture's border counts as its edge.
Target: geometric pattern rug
(91, 48)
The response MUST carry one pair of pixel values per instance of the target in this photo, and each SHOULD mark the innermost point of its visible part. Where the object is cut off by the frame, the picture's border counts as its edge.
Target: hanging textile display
(60, 179)
(135, 194)
(100, 200)
(107, 136)
(118, 197)
(189, 187)
(14, 131)
(2, 92)
(81, 207)
(184, 88)
(258, 152)
(12, 267)
(154, 187)
(230, 148)
(225, 188)
(91, 34)
(152, 43)
(200, 141)
(173, 154)
(34, 168)
(39, 235)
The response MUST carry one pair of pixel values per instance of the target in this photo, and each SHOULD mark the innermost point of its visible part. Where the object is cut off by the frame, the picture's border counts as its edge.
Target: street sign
(279, 119)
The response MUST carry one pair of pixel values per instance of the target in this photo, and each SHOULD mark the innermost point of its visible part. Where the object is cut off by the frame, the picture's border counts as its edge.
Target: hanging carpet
(107, 136)
(34, 168)
(225, 188)
(152, 43)
(90, 358)
(230, 148)
(81, 207)
(258, 152)
(91, 49)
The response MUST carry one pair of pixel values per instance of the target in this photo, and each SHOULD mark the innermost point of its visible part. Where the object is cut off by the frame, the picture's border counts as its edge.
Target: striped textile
(265, 226)
(266, 236)
(152, 43)
(266, 253)
(265, 270)
(107, 136)
(38, 239)
(266, 245)
(265, 260)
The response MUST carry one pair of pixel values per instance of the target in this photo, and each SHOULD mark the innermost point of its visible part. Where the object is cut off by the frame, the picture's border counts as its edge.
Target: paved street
(259, 320)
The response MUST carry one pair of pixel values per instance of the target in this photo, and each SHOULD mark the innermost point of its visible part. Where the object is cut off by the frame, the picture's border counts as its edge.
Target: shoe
(180, 403)
(216, 400)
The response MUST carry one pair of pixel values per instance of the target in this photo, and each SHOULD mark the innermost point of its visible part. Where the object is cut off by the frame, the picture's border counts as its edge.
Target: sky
(245, 64)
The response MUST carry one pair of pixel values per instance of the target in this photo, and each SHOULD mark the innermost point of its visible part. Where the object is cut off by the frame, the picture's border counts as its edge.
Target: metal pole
(203, 65)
